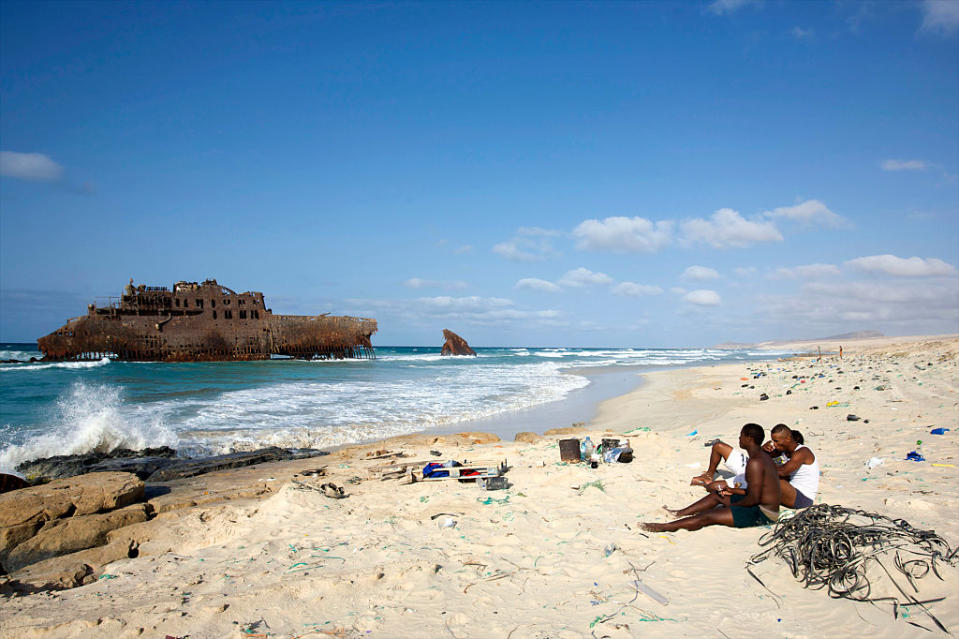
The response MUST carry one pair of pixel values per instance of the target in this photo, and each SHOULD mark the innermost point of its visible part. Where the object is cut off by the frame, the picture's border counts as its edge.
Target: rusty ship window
(214, 314)
(242, 314)
(227, 302)
(199, 303)
(178, 302)
(255, 314)
(227, 314)
(212, 303)
(186, 302)
(241, 301)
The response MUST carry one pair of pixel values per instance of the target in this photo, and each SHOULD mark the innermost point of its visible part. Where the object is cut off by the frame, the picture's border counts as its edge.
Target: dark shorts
(801, 501)
(747, 516)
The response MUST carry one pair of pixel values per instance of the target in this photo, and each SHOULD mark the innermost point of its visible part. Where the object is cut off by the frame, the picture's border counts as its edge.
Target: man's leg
(706, 503)
(723, 516)
(720, 452)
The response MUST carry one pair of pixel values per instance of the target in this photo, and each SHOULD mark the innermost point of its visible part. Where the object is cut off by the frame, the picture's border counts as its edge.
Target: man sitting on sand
(798, 476)
(760, 504)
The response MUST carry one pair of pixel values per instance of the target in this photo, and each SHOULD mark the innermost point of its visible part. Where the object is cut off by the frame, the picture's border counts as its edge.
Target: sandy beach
(261, 552)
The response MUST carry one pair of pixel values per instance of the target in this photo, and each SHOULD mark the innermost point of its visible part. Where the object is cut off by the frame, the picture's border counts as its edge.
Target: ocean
(58, 408)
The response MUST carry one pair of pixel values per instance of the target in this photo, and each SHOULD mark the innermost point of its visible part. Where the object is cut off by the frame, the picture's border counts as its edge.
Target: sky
(648, 174)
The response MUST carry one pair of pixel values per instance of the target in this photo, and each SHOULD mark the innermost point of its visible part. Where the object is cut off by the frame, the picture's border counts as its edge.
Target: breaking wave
(89, 418)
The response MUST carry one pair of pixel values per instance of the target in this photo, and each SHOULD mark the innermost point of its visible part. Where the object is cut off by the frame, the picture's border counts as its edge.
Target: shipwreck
(203, 322)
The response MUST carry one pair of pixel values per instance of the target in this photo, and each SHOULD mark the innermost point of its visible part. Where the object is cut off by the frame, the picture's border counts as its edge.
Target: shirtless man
(758, 507)
(798, 476)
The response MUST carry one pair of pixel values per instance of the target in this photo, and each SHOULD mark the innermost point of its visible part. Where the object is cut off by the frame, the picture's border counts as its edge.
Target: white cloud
(36, 167)
(727, 228)
(534, 284)
(703, 297)
(416, 282)
(699, 273)
(677, 290)
(527, 246)
(719, 7)
(745, 271)
(799, 33)
(580, 277)
(626, 234)
(904, 165)
(633, 289)
(460, 250)
(940, 16)
(536, 231)
(808, 212)
(902, 267)
(806, 271)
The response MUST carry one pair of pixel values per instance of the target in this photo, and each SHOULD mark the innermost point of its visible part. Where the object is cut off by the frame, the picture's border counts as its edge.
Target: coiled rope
(831, 547)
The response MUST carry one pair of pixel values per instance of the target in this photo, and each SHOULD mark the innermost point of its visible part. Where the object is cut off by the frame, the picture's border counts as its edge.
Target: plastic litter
(938, 431)
(649, 592)
(447, 522)
(693, 434)
(853, 418)
(875, 461)
(609, 550)
(914, 456)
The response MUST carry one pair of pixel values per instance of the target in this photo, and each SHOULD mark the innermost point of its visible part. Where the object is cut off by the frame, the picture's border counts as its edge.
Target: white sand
(529, 561)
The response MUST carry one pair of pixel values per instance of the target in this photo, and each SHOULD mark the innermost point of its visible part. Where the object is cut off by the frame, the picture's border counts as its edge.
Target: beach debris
(332, 491)
(569, 450)
(832, 547)
(649, 592)
(938, 431)
(598, 484)
(875, 461)
(693, 434)
(853, 418)
(447, 522)
(914, 456)
(609, 549)
(763, 397)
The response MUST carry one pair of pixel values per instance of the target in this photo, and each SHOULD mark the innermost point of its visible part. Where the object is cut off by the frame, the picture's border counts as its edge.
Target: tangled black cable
(831, 547)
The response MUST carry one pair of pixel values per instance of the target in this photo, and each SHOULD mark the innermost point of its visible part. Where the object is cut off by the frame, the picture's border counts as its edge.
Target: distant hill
(743, 345)
(853, 335)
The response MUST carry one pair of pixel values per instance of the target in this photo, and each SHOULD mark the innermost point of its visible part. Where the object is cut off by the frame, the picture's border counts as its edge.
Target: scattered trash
(914, 456)
(852, 418)
(693, 434)
(649, 592)
(495, 483)
(831, 547)
(447, 522)
(831, 404)
(595, 484)
(586, 448)
(569, 450)
(609, 550)
(763, 397)
(813, 408)
(875, 461)
(945, 465)
(938, 431)
(436, 453)
(333, 491)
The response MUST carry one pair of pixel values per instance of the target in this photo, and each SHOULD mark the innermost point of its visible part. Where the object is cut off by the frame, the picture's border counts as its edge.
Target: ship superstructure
(203, 322)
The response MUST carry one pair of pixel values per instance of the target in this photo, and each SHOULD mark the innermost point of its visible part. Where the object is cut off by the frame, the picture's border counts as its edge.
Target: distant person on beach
(798, 475)
(840, 352)
(758, 506)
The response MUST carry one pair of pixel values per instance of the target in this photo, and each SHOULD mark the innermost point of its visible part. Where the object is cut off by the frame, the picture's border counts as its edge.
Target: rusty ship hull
(203, 322)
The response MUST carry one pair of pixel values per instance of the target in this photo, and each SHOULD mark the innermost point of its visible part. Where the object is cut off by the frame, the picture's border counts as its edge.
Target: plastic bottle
(586, 449)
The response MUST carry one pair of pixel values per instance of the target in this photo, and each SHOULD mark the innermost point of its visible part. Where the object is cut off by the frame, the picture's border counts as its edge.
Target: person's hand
(769, 447)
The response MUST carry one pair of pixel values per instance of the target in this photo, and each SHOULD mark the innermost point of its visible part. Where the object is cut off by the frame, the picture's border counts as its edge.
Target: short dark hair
(797, 436)
(782, 428)
(755, 432)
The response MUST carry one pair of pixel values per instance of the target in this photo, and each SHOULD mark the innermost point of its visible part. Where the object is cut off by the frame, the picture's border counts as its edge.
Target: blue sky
(582, 174)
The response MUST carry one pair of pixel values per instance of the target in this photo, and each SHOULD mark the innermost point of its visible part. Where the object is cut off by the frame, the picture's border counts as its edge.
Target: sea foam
(88, 418)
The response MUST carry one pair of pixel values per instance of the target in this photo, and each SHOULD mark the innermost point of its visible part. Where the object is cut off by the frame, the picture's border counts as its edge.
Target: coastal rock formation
(120, 460)
(26, 512)
(153, 464)
(455, 345)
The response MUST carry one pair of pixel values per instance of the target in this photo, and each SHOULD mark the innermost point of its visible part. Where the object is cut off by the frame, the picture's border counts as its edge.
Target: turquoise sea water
(207, 408)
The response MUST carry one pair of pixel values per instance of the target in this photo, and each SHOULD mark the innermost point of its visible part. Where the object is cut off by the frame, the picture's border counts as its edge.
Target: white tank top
(806, 477)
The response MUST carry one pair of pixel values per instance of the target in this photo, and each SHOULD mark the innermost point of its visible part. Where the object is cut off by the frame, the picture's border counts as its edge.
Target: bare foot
(700, 480)
(653, 527)
(671, 511)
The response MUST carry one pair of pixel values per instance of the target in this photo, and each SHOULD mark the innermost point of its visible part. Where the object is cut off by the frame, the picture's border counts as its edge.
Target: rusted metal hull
(204, 323)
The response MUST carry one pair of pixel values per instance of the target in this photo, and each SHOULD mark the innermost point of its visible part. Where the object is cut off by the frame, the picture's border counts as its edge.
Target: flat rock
(23, 512)
(60, 466)
(63, 536)
(529, 438)
(193, 467)
(67, 571)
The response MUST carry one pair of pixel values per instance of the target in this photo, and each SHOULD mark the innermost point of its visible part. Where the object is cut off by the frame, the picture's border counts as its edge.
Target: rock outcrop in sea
(455, 345)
